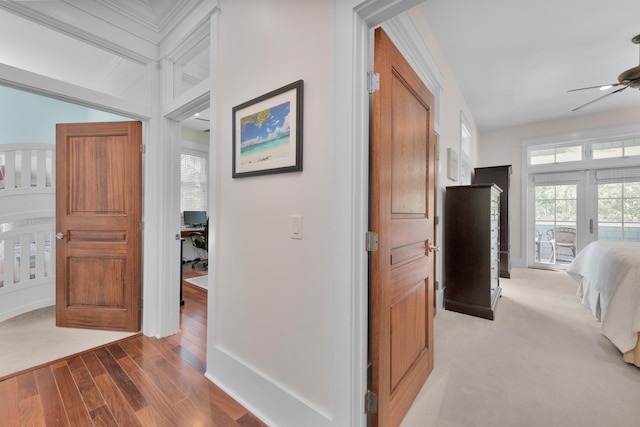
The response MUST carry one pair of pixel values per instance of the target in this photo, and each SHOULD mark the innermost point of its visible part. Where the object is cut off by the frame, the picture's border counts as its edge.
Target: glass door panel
(619, 211)
(555, 223)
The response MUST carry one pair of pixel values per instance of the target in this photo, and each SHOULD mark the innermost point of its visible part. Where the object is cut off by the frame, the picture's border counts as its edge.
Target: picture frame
(452, 164)
(267, 133)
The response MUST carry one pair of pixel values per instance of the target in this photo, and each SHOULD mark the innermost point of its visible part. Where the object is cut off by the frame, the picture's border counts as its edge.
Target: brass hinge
(373, 82)
(371, 241)
(370, 403)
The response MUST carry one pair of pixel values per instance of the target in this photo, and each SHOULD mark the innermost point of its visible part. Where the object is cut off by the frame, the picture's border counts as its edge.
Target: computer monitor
(195, 218)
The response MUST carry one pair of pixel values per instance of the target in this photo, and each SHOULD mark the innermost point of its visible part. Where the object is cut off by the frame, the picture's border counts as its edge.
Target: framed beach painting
(267, 133)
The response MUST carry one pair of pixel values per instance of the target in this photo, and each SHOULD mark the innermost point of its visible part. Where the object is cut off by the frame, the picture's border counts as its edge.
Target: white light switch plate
(296, 227)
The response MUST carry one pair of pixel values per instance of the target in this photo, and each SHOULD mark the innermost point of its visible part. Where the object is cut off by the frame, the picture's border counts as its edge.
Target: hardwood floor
(139, 381)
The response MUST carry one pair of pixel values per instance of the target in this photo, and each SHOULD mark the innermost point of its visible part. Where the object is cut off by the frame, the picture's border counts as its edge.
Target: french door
(568, 210)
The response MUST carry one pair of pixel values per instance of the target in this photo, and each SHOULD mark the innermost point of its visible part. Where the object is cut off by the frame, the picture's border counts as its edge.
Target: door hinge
(140, 304)
(373, 82)
(370, 403)
(371, 241)
(142, 148)
(141, 225)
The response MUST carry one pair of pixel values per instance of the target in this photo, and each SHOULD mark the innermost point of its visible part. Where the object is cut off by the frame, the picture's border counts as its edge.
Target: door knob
(59, 236)
(434, 248)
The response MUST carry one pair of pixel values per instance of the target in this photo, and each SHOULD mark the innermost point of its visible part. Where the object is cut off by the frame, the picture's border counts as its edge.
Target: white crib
(27, 227)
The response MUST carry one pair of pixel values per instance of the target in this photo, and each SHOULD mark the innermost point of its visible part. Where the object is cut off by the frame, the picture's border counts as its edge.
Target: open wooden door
(98, 220)
(402, 214)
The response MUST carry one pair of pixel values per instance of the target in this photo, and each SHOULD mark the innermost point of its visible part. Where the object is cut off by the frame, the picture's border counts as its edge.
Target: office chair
(199, 240)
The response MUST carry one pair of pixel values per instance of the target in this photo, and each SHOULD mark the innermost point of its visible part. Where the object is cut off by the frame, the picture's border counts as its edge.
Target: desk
(186, 232)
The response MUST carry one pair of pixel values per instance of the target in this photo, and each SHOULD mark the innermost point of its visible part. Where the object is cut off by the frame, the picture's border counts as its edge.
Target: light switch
(296, 227)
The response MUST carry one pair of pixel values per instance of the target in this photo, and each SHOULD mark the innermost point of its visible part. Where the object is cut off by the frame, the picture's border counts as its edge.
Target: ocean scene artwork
(265, 135)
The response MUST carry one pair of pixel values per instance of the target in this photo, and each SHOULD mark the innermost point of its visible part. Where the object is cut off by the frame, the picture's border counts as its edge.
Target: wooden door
(98, 221)
(402, 213)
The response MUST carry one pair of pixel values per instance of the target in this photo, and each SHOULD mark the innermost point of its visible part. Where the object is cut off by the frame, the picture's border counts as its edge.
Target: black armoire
(501, 176)
(471, 258)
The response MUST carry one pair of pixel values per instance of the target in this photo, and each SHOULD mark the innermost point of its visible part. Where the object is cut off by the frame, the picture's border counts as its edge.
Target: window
(585, 184)
(612, 149)
(618, 204)
(466, 150)
(552, 155)
(193, 182)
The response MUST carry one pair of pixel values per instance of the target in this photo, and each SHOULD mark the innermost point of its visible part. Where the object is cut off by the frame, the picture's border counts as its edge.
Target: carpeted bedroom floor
(31, 339)
(541, 362)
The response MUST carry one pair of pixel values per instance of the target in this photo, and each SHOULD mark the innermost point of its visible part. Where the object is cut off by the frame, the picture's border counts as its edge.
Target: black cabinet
(471, 252)
(501, 176)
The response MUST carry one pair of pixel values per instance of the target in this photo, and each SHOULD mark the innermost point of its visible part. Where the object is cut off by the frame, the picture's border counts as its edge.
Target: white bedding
(608, 274)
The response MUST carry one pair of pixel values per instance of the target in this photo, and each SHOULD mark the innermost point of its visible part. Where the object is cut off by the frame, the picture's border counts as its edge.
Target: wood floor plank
(159, 379)
(52, 406)
(102, 417)
(142, 381)
(250, 420)
(187, 373)
(120, 409)
(71, 398)
(27, 386)
(89, 391)
(119, 376)
(9, 407)
(31, 412)
(158, 401)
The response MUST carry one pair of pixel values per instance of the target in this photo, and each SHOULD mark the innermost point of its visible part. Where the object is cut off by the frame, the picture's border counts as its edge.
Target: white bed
(27, 224)
(608, 274)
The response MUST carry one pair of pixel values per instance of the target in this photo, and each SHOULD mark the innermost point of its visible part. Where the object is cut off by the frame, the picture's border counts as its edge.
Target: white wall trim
(46, 86)
(404, 34)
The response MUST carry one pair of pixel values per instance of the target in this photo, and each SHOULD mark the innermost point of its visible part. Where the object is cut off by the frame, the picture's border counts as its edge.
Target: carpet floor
(542, 362)
(32, 338)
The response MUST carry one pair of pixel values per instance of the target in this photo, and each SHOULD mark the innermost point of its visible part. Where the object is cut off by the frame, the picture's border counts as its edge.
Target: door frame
(354, 58)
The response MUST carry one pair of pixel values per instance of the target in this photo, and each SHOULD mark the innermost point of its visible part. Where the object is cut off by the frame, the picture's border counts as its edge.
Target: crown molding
(78, 24)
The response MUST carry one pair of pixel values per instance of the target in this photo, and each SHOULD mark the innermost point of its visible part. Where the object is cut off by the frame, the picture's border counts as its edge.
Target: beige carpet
(542, 362)
(32, 339)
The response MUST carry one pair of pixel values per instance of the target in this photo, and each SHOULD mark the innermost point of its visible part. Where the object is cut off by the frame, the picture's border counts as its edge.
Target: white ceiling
(515, 60)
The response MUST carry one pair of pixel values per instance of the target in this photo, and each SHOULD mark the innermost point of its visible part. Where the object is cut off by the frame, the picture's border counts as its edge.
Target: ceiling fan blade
(595, 87)
(598, 99)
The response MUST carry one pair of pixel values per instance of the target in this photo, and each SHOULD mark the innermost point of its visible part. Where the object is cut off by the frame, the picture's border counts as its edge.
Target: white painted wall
(272, 338)
(504, 147)
(271, 307)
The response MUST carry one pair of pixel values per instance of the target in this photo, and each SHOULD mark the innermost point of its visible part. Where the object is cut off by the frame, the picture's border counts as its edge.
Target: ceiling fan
(629, 78)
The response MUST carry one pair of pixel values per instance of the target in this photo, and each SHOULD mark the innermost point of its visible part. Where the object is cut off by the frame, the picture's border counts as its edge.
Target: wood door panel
(403, 279)
(408, 253)
(99, 215)
(98, 189)
(407, 231)
(97, 282)
(409, 153)
(408, 333)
